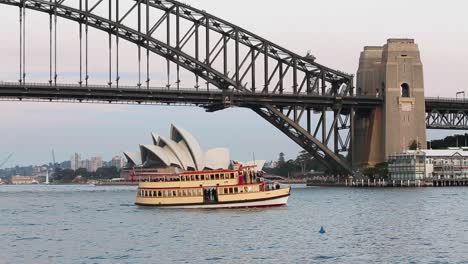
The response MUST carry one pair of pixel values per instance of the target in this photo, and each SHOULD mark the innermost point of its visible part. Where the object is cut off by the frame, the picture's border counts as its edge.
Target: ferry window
(190, 192)
(236, 190)
(192, 177)
(174, 193)
(166, 193)
(217, 176)
(197, 177)
(230, 190)
(202, 177)
(232, 175)
(159, 193)
(182, 178)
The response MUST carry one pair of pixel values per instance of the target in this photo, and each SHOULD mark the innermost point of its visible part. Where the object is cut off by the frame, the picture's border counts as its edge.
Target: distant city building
(451, 163)
(118, 162)
(90, 165)
(95, 163)
(17, 179)
(75, 161)
(408, 166)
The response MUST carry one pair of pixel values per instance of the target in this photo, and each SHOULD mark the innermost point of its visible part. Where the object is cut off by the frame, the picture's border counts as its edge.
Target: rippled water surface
(87, 224)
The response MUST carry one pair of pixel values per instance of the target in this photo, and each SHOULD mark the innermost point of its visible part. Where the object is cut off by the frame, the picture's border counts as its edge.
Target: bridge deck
(192, 96)
(446, 104)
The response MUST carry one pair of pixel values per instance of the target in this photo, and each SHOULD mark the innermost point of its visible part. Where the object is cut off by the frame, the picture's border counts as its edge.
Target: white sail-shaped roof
(134, 158)
(155, 138)
(180, 135)
(160, 156)
(217, 158)
(180, 151)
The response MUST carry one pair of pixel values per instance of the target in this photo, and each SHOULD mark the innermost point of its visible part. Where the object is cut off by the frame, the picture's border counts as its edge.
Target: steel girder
(282, 71)
(447, 113)
(115, 28)
(292, 128)
(456, 120)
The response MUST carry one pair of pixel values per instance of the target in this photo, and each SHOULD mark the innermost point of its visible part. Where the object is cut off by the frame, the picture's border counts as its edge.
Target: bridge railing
(447, 99)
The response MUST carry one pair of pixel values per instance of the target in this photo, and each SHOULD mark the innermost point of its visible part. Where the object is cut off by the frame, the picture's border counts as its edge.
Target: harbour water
(91, 224)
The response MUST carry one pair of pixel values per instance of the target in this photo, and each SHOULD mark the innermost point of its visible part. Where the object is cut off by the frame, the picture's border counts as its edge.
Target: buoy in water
(322, 230)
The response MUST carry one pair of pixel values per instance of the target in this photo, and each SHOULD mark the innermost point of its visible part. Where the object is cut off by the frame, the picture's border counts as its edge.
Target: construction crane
(6, 160)
(53, 158)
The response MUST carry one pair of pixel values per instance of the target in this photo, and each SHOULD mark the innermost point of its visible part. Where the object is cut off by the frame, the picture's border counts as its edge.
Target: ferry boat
(240, 187)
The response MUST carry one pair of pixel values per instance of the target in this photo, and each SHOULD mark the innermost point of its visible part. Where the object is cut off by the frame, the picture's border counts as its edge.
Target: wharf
(361, 183)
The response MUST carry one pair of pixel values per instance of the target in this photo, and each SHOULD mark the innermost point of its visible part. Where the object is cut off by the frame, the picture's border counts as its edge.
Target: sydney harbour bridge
(312, 104)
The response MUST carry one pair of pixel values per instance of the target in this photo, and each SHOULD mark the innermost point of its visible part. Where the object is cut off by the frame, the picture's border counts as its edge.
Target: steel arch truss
(456, 120)
(223, 55)
(293, 120)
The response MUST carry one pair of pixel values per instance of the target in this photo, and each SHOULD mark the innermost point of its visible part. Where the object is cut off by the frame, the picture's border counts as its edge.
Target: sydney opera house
(180, 152)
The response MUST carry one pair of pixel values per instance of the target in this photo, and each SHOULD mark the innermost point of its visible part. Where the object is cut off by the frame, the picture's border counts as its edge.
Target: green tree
(307, 162)
(63, 176)
(370, 172)
(107, 173)
(288, 168)
(382, 170)
(83, 173)
(414, 145)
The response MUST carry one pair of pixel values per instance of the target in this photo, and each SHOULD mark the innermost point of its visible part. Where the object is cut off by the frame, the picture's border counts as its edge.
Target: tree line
(303, 164)
(68, 175)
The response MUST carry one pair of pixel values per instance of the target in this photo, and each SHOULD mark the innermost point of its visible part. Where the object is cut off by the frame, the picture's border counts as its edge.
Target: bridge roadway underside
(211, 99)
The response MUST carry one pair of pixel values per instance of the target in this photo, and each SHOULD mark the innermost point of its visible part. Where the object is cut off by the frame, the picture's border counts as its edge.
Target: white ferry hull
(280, 201)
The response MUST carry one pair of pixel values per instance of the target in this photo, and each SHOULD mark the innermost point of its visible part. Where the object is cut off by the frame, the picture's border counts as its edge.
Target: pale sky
(335, 31)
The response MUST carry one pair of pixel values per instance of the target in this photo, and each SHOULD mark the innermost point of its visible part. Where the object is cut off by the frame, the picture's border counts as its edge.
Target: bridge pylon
(393, 72)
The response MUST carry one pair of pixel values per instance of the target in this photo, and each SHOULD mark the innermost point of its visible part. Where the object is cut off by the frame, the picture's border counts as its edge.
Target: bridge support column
(395, 73)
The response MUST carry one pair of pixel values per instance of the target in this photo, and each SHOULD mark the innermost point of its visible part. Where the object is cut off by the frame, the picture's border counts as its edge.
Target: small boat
(237, 188)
